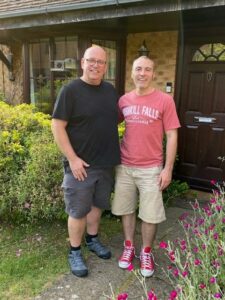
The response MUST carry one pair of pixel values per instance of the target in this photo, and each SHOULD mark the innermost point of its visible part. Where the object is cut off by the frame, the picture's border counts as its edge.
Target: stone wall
(12, 90)
(163, 50)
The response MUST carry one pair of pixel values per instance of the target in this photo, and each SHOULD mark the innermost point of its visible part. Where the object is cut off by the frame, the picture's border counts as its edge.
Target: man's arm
(77, 165)
(171, 150)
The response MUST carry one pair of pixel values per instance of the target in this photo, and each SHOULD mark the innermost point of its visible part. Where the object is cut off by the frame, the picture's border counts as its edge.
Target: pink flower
(212, 280)
(173, 295)
(209, 213)
(218, 208)
(163, 245)
(200, 221)
(211, 227)
(215, 263)
(123, 296)
(223, 220)
(212, 200)
(186, 225)
(206, 208)
(195, 249)
(220, 251)
(185, 273)
(215, 236)
(203, 246)
(196, 205)
(197, 262)
(152, 295)
(183, 245)
(183, 216)
(130, 267)
(218, 295)
(176, 272)
(172, 256)
(213, 181)
(202, 285)
(196, 232)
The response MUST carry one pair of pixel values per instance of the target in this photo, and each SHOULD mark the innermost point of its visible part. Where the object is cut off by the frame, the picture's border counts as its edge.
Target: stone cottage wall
(163, 50)
(12, 90)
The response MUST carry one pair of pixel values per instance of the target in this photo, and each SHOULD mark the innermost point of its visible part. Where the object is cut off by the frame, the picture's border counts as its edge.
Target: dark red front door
(202, 115)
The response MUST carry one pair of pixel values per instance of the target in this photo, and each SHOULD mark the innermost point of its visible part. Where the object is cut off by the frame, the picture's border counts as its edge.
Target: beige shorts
(133, 184)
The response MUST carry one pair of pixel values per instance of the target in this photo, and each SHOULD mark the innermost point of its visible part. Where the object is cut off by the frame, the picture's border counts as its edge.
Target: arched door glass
(210, 52)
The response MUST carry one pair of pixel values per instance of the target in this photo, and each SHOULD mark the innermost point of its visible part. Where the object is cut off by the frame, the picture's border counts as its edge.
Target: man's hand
(165, 178)
(77, 167)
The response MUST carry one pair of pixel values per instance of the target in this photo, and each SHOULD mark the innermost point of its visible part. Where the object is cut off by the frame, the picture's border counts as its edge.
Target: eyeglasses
(92, 61)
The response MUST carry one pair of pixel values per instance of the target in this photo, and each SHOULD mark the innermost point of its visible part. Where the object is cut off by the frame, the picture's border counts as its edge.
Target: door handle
(204, 119)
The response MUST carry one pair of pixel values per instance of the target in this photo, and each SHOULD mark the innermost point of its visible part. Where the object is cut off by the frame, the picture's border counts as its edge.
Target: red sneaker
(127, 256)
(147, 262)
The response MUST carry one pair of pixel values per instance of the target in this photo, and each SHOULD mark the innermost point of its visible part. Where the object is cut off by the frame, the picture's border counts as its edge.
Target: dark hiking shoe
(77, 265)
(99, 249)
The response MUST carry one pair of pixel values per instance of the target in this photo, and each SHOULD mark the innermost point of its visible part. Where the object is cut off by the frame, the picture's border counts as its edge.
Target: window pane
(48, 74)
(110, 48)
(198, 56)
(64, 63)
(222, 56)
(40, 74)
(206, 49)
(210, 52)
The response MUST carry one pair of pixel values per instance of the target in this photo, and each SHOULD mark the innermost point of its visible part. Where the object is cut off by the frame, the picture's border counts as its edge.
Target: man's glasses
(92, 61)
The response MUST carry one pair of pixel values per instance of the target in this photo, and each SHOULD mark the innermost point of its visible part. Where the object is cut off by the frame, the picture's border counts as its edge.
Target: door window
(210, 52)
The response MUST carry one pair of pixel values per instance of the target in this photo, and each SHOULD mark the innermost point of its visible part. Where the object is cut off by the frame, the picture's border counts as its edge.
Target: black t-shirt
(92, 115)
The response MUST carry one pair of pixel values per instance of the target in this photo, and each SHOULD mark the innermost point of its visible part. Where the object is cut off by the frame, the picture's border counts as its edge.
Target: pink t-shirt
(147, 118)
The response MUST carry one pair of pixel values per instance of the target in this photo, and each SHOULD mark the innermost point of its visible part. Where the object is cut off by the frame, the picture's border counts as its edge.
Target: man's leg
(124, 204)
(92, 241)
(148, 232)
(151, 212)
(93, 220)
(76, 228)
(129, 224)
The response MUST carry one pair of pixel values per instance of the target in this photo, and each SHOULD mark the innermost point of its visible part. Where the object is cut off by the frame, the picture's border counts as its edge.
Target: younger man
(148, 115)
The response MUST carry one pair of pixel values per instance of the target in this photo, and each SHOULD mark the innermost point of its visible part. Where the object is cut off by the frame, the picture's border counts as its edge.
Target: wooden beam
(6, 60)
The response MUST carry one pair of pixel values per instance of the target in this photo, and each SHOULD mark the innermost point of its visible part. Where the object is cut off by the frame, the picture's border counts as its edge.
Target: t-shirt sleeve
(170, 118)
(64, 105)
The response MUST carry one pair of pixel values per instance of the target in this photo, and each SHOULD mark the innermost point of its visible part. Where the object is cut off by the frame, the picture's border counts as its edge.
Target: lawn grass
(33, 257)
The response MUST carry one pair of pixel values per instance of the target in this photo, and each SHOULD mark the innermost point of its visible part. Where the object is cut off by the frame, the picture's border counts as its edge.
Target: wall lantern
(143, 50)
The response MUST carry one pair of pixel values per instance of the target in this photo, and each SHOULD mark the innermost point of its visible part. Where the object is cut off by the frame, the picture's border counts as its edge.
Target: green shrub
(174, 190)
(30, 165)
